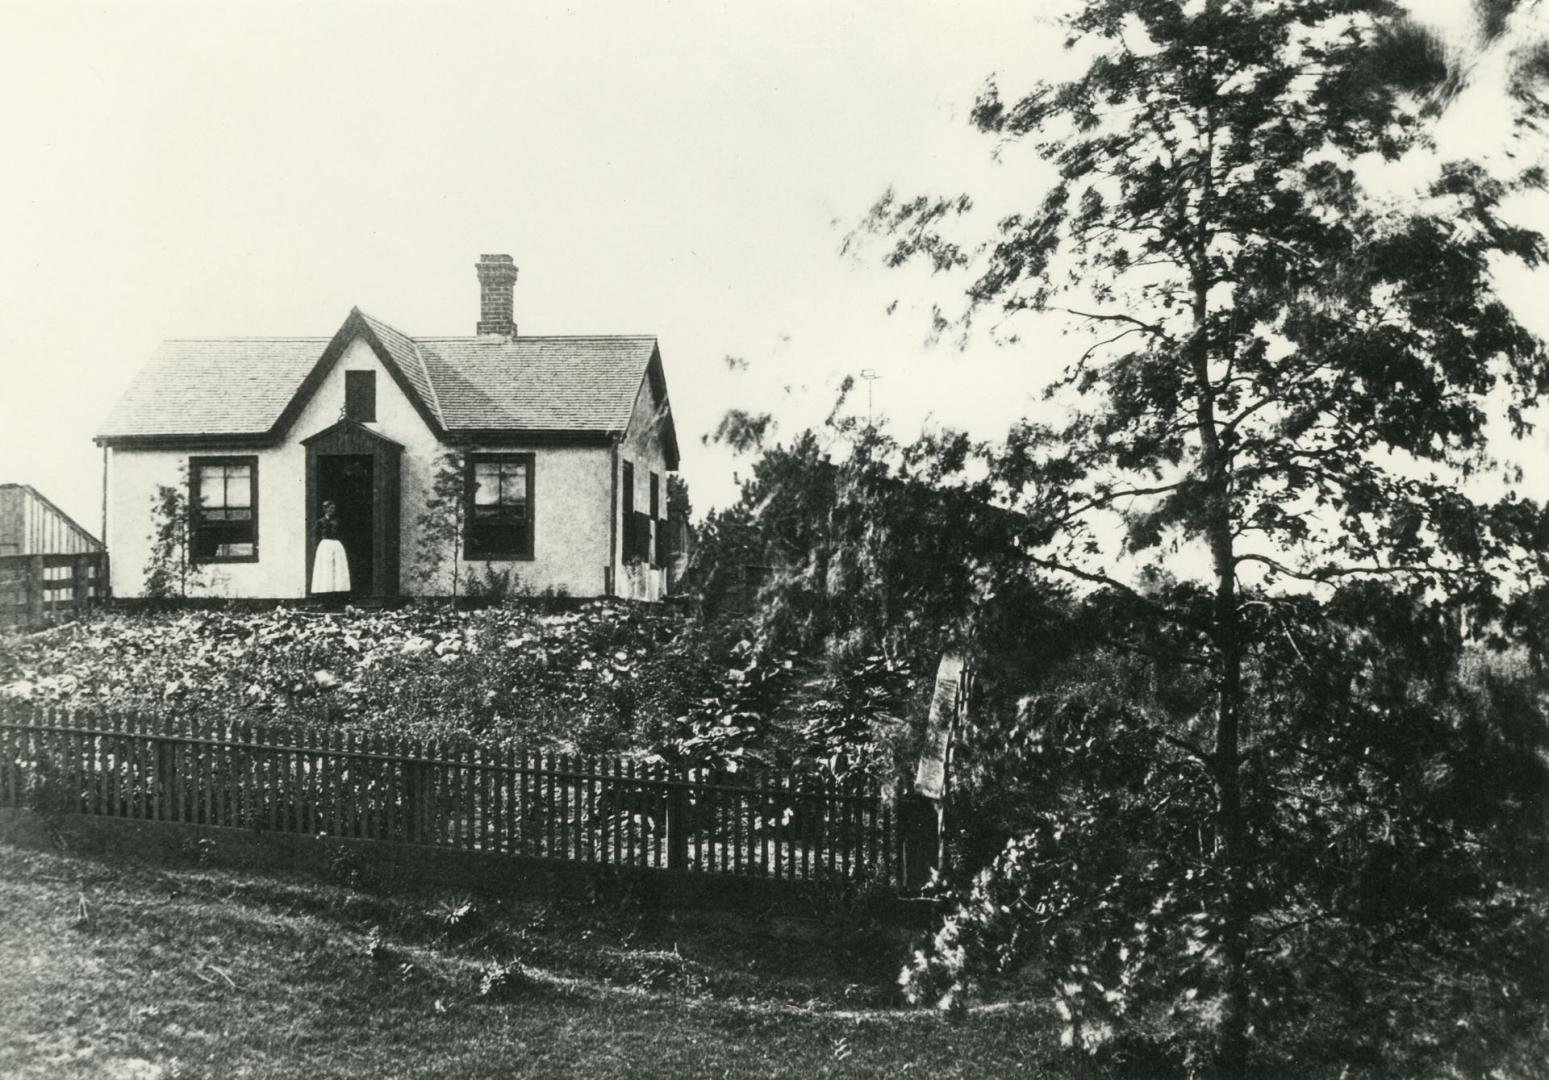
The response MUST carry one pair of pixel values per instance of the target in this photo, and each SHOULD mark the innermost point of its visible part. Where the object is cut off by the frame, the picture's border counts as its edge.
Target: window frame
(524, 553)
(359, 397)
(196, 506)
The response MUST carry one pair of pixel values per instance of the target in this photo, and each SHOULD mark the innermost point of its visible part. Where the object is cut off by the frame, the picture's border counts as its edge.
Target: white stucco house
(562, 448)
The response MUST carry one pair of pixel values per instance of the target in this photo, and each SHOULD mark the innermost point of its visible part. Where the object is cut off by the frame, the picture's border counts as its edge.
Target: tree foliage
(1288, 374)
(845, 542)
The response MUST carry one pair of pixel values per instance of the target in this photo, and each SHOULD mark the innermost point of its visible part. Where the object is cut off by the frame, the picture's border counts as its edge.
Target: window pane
(513, 484)
(239, 486)
(212, 486)
(486, 484)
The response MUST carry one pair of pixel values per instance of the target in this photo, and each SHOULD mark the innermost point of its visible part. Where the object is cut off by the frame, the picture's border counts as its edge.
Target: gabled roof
(210, 386)
(250, 390)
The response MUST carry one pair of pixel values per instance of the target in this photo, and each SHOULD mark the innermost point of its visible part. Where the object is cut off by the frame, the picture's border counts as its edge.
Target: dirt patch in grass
(120, 970)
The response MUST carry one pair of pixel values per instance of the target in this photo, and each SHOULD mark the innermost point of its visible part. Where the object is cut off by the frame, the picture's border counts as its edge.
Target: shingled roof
(229, 390)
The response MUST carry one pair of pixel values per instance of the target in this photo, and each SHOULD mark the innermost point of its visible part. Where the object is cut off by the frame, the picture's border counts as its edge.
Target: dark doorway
(346, 480)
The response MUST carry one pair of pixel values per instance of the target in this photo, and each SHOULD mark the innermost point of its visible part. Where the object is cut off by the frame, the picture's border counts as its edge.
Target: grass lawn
(114, 969)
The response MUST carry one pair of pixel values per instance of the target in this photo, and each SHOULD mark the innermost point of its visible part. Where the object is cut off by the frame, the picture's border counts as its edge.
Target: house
(547, 455)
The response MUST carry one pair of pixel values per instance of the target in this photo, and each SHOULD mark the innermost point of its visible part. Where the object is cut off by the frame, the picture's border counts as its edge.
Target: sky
(686, 169)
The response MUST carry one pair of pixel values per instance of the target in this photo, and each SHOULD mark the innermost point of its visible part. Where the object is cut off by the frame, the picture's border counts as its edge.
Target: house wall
(572, 487)
(642, 446)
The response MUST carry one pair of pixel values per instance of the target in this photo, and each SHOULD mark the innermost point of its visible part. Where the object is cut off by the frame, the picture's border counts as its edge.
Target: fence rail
(458, 794)
(39, 589)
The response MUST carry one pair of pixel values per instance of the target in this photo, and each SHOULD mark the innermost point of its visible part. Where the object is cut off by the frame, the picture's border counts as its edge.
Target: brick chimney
(497, 275)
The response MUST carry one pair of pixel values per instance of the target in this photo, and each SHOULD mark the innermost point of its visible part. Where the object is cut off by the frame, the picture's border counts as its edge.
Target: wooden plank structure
(50, 568)
(451, 793)
(37, 590)
(31, 525)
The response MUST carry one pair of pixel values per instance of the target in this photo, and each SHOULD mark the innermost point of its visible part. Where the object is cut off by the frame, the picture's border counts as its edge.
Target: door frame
(353, 437)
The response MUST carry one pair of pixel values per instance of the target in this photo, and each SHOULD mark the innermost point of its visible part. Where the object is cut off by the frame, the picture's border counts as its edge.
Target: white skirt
(330, 568)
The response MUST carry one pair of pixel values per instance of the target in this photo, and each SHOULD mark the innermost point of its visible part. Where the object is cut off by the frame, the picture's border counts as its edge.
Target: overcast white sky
(682, 169)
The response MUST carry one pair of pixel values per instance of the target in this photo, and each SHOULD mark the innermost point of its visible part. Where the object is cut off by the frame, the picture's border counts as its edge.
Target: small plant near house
(169, 571)
(491, 586)
(442, 526)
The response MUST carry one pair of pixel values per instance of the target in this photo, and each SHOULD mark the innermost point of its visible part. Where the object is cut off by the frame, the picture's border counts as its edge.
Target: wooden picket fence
(452, 793)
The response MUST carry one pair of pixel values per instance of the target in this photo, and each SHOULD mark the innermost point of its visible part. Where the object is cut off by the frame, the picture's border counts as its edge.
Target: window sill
(217, 560)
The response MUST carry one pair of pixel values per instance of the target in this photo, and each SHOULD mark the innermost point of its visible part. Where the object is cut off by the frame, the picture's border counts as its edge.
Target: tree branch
(1100, 316)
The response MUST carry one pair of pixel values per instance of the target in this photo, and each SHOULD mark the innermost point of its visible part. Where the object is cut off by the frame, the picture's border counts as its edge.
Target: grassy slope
(198, 972)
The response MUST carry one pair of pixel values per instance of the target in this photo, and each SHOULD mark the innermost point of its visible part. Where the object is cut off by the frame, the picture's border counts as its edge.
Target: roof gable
(397, 353)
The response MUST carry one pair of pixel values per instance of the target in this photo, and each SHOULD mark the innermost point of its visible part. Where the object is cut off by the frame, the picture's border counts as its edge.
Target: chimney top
(497, 276)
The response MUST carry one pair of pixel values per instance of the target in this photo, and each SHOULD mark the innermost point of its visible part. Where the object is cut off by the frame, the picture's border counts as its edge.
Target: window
(360, 395)
(499, 507)
(223, 509)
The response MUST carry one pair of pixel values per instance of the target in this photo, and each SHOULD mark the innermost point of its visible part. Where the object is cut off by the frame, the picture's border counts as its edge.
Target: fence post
(677, 822)
(34, 590)
(918, 826)
(80, 586)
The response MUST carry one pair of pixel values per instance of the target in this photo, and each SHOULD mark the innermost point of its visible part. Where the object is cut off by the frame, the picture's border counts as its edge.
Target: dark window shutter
(637, 537)
(360, 396)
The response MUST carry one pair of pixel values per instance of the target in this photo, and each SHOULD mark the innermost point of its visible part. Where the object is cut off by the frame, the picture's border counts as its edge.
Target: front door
(357, 470)
(347, 481)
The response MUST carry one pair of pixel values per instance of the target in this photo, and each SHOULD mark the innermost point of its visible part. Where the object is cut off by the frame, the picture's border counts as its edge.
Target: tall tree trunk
(1232, 1051)
(1229, 827)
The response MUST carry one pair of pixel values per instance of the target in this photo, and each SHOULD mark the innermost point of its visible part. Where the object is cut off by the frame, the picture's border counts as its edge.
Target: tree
(441, 524)
(679, 505)
(169, 570)
(1285, 370)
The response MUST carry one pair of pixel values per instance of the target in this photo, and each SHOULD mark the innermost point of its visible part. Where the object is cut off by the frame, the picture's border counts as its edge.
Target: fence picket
(468, 790)
(173, 781)
(513, 803)
(344, 784)
(143, 769)
(123, 774)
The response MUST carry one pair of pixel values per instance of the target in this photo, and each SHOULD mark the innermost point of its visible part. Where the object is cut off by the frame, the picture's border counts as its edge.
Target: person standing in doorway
(330, 566)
